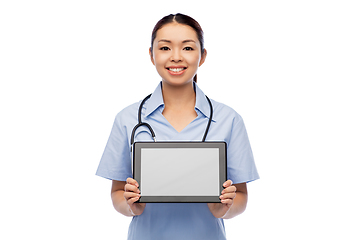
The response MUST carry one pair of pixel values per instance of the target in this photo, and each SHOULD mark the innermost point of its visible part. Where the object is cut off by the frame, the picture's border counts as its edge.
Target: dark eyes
(185, 48)
(188, 48)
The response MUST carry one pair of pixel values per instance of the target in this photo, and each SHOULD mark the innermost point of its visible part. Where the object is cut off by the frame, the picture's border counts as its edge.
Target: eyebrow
(168, 41)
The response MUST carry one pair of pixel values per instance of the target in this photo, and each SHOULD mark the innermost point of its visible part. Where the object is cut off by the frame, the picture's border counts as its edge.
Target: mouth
(176, 70)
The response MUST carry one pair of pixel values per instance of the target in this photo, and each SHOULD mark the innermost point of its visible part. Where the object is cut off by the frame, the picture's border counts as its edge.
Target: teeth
(176, 69)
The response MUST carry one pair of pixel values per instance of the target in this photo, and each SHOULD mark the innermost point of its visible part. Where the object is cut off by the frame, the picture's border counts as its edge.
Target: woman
(178, 110)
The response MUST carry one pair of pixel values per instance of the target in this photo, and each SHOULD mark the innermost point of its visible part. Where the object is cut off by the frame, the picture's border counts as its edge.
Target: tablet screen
(180, 171)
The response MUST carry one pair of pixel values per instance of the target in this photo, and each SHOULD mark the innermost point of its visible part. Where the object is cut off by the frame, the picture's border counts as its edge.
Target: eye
(188, 48)
(165, 48)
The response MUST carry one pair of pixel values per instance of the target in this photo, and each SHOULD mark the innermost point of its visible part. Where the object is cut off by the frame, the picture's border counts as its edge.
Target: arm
(233, 201)
(124, 195)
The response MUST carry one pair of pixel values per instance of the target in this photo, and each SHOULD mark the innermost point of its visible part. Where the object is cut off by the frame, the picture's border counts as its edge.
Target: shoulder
(225, 113)
(128, 114)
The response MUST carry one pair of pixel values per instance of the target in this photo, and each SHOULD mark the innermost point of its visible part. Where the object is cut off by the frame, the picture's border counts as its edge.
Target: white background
(290, 68)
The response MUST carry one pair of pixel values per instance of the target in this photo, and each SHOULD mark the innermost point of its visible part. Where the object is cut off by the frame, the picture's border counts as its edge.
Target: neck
(178, 96)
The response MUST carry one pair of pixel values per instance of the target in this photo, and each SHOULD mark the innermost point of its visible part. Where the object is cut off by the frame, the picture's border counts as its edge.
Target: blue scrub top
(178, 220)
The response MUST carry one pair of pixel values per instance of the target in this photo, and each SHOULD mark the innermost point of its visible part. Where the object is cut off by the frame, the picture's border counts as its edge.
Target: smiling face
(177, 53)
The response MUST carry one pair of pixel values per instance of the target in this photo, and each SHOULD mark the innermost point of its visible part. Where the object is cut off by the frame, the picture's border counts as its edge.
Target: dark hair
(182, 19)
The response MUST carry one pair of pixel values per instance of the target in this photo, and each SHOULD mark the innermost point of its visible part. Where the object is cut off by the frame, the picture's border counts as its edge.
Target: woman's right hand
(131, 195)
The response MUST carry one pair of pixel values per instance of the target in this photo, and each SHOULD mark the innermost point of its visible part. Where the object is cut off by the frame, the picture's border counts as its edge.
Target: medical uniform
(178, 220)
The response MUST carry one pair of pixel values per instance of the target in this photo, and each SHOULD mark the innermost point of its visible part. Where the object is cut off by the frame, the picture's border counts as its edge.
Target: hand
(131, 195)
(227, 199)
(228, 194)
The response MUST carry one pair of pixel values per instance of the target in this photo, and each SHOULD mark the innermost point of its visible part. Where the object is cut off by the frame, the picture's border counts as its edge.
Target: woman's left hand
(227, 199)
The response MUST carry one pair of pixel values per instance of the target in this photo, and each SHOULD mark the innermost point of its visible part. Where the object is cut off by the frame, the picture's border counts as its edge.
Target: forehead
(176, 32)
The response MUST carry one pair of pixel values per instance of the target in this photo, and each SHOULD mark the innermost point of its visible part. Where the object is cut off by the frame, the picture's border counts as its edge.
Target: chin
(177, 83)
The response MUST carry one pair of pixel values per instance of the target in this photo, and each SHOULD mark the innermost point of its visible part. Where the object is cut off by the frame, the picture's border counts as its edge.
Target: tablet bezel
(222, 169)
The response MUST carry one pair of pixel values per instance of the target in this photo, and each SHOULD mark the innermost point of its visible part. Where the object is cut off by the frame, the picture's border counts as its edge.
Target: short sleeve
(240, 161)
(115, 163)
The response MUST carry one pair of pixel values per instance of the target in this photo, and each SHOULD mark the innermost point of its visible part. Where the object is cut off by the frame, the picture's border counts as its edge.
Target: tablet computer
(179, 171)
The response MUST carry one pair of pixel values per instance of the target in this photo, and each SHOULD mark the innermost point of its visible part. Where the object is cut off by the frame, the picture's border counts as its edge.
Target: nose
(176, 56)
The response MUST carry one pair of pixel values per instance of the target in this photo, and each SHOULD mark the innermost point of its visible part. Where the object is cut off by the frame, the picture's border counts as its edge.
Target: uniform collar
(156, 100)
(202, 103)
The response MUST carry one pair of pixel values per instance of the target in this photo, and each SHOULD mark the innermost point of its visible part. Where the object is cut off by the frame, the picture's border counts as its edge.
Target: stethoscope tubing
(140, 123)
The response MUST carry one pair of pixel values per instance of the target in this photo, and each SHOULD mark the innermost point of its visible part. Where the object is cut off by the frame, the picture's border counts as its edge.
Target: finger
(132, 200)
(228, 196)
(132, 182)
(131, 188)
(229, 190)
(130, 195)
(228, 183)
(227, 201)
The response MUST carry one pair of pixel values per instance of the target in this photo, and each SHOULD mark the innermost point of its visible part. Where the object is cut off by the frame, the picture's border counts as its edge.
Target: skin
(177, 45)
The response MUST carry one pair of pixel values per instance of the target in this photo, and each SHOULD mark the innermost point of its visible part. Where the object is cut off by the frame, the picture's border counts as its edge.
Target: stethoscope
(152, 131)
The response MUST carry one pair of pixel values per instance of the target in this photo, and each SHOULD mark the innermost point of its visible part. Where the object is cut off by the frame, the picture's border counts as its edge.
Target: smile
(176, 71)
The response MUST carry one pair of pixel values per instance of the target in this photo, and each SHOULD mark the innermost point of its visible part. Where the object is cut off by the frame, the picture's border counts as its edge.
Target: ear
(203, 57)
(151, 56)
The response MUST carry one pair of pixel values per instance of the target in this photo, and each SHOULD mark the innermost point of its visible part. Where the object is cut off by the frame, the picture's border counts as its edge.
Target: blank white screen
(179, 172)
